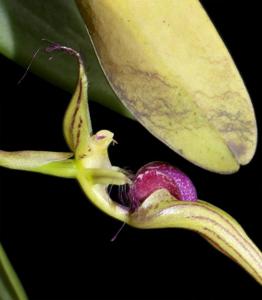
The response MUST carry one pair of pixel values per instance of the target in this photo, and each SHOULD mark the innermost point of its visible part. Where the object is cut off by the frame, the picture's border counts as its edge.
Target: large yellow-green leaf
(168, 65)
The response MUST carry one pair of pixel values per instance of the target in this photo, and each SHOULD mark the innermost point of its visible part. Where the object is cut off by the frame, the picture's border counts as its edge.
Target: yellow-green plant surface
(169, 67)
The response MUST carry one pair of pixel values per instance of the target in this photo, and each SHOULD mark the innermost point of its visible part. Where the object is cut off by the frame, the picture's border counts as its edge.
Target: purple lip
(160, 175)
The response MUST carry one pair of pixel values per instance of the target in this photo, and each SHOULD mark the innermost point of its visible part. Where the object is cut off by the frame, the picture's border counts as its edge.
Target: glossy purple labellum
(160, 175)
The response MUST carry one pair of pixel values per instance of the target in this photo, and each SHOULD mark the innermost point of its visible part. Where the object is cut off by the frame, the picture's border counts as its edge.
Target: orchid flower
(88, 162)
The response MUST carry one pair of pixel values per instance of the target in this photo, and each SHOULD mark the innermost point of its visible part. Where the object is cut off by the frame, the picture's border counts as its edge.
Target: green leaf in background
(24, 23)
(10, 286)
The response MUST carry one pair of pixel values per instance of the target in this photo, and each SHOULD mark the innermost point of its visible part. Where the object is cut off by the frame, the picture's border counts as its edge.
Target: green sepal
(77, 122)
(50, 163)
(161, 210)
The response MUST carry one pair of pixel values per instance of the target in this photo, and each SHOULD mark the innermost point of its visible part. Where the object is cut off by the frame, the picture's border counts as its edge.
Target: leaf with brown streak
(169, 67)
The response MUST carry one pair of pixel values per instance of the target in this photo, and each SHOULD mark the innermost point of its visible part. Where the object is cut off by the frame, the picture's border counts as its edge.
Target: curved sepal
(77, 122)
(161, 210)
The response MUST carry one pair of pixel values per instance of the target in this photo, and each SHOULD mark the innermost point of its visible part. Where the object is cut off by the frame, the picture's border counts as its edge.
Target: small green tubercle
(89, 163)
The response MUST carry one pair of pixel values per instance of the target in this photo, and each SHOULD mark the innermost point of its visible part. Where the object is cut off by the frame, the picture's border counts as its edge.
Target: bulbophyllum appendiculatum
(160, 195)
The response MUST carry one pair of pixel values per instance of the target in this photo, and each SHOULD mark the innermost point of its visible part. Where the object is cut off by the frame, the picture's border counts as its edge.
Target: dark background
(60, 244)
